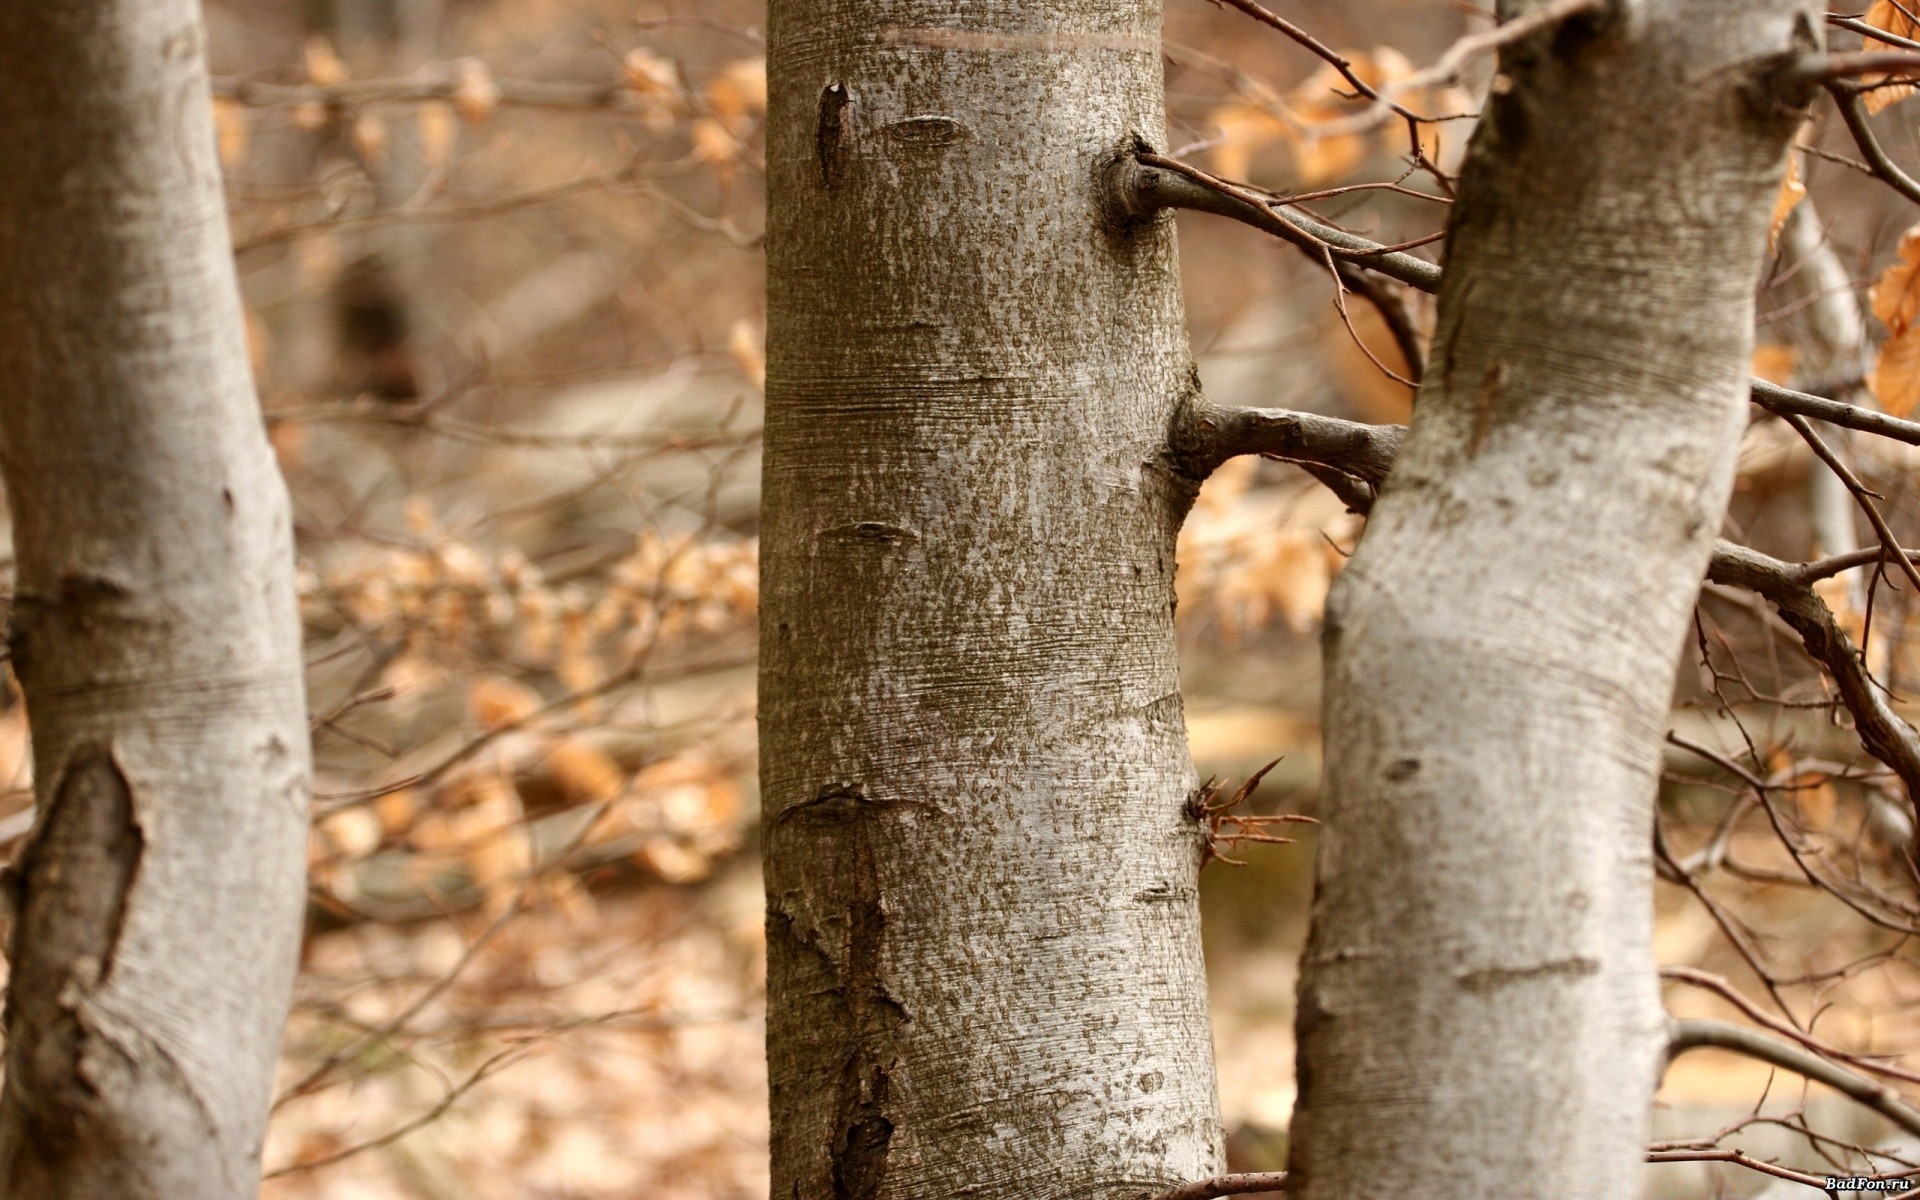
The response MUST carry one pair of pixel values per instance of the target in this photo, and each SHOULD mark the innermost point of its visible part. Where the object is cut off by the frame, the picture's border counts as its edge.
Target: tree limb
(1846, 97)
(1883, 733)
(1784, 402)
(1144, 183)
(1685, 1035)
(1211, 434)
(1228, 1185)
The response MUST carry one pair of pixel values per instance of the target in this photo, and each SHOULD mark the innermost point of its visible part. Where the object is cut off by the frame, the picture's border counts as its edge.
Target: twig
(1685, 1035)
(1784, 402)
(1846, 97)
(1228, 1185)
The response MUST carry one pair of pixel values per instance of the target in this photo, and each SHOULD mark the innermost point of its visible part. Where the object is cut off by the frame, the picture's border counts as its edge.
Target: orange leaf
(1887, 15)
(1774, 362)
(1896, 294)
(1792, 191)
(1895, 380)
(499, 702)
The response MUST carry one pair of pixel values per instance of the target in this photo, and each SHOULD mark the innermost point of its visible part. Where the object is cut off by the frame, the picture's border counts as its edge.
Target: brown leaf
(1887, 15)
(1895, 379)
(1793, 190)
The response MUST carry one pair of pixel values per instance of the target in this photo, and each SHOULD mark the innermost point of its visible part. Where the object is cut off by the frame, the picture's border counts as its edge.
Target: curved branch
(1228, 1185)
(1686, 1035)
(1846, 97)
(1210, 434)
(1783, 402)
(1882, 731)
(1142, 184)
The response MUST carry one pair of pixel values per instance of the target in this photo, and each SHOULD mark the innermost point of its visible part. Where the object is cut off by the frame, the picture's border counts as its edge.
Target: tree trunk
(155, 632)
(1479, 1013)
(984, 959)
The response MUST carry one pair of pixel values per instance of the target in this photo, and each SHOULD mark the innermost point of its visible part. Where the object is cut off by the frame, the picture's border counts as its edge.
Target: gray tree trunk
(155, 633)
(1479, 1013)
(984, 974)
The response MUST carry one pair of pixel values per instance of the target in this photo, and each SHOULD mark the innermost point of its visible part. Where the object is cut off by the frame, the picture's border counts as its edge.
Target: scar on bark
(847, 937)
(830, 134)
(72, 885)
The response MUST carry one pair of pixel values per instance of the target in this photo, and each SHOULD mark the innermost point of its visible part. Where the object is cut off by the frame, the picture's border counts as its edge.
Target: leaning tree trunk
(984, 973)
(1478, 1010)
(159, 900)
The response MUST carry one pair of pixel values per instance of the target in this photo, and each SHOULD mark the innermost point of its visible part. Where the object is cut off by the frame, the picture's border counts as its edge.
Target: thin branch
(606, 97)
(1143, 184)
(1783, 402)
(1688, 1035)
(1228, 1185)
(1888, 542)
(1733, 996)
(1846, 97)
(1883, 733)
(1738, 1159)
(1447, 67)
(1211, 434)
(1856, 25)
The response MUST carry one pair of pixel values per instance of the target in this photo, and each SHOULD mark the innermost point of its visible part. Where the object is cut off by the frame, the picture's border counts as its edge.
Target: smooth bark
(984, 972)
(155, 633)
(1478, 1006)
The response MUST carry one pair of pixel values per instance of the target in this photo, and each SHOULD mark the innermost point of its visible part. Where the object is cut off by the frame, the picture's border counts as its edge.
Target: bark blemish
(842, 918)
(830, 134)
(1488, 979)
(871, 533)
(931, 132)
(74, 879)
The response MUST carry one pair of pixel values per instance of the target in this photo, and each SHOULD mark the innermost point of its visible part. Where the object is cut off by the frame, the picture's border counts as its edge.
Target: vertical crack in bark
(847, 935)
(74, 881)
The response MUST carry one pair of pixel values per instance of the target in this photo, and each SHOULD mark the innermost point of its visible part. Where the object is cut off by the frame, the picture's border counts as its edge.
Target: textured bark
(1478, 1007)
(984, 962)
(155, 634)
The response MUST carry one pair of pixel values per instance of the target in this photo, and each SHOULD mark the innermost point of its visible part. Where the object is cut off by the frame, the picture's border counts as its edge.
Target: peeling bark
(154, 628)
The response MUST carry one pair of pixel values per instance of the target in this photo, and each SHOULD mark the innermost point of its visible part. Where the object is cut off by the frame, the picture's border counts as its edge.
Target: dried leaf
(651, 75)
(1887, 15)
(1895, 379)
(498, 702)
(475, 94)
(744, 343)
(324, 67)
(714, 143)
(584, 772)
(370, 138)
(1774, 362)
(739, 92)
(1792, 191)
(438, 128)
(230, 130)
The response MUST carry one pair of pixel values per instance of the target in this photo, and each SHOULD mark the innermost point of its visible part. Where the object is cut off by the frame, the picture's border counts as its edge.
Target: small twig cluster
(1226, 829)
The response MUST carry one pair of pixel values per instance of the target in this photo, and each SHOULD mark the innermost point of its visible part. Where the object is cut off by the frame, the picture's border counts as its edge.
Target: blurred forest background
(502, 267)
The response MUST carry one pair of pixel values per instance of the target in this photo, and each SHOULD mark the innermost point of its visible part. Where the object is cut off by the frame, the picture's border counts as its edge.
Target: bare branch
(1786, 402)
(1211, 434)
(1846, 97)
(1228, 1185)
(608, 97)
(1688, 1035)
(1883, 733)
(1146, 183)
